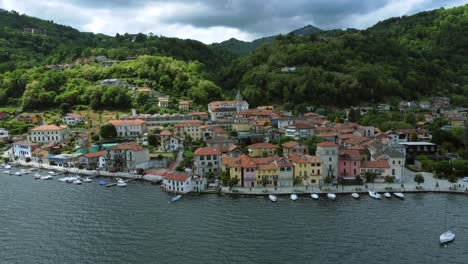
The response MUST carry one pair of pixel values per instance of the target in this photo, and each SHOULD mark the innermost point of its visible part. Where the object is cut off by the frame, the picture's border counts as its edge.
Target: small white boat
(176, 198)
(77, 182)
(51, 173)
(87, 180)
(375, 195)
(293, 197)
(272, 197)
(48, 177)
(331, 196)
(399, 195)
(37, 176)
(121, 183)
(6, 172)
(387, 195)
(314, 196)
(25, 171)
(7, 166)
(355, 195)
(446, 237)
(17, 173)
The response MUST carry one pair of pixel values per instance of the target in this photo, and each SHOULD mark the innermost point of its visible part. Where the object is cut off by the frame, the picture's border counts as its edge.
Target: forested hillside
(400, 58)
(408, 57)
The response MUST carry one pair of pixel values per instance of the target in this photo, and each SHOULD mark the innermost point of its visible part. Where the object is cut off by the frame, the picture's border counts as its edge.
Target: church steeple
(238, 101)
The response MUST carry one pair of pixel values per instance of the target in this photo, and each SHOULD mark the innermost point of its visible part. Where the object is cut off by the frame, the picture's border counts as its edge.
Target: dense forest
(409, 57)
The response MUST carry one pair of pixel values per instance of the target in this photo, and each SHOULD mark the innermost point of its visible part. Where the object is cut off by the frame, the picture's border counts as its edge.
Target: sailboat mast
(445, 214)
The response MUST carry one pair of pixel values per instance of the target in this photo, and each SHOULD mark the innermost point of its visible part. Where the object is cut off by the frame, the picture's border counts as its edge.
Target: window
(330, 159)
(393, 162)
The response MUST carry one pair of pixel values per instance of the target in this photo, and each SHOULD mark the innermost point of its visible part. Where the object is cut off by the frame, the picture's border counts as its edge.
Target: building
(24, 149)
(4, 134)
(395, 159)
(300, 130)
(126, 156)
(49, 133)
(379, 167)
(207, 160)
(169, 142)
(308, 168)
(177, 183)
(184, 105)
(163, 101)
(413, 149)
(262, 150)
(3, 115)
(33, 119)
(220, 110)
(294, 148)
(190, 128)
(95, 160)
(114, 82)
(349, 164)
(129, 128)
(72, 119)
(157, 119)
(328, 154)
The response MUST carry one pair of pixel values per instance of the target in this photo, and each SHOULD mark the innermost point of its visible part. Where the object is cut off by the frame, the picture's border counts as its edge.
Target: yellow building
(190, 128)
(262, 150)
(308, 168)
(269, 172)
(231, 165)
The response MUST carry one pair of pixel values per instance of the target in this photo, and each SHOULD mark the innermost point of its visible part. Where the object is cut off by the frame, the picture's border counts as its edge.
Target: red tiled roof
(380, 164)
(327, 144)
(48, 127)
(74, 115)
(206, 151)
(134, 122)
(94, 154)
(128, 146)
(262, 146)
(177, 177)
(166, 133)
(25, 143)
(352, 153)
(290, 144)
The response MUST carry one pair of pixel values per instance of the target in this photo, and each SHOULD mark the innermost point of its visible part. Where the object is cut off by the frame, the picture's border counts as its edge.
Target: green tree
(233, 182)
(297, 181)
(358, 180)
(108, 131)
(153, 140)
(264, 181)
(389, 179)
(370, 177)
(418, 178)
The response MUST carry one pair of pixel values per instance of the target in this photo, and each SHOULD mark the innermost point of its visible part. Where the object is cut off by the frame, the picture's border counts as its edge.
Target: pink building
(349, 164)
(248, 167)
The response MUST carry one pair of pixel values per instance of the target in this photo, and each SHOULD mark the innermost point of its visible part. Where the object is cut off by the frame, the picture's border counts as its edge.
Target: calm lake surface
(54, 222)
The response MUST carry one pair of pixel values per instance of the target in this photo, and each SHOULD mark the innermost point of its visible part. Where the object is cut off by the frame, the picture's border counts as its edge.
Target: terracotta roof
(271, 166)
(128, 146)
(329, 134)
(25, 143)
(74, 115)
(290, 144)
(94, 154)
(177, 177)
(262, 146)
(127, 122)
(197, 113)
(353, 154)
(187, 123)
(379, 164)
(144, 90)
(166, 133)
(185, 102)
(48, 127)
(327, 144)
(232, 147)
(206, 151)
(228, 161)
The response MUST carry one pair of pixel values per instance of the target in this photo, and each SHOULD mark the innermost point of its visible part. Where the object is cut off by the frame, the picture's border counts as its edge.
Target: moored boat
(37, 176)
(399, 195)
(387, 195)
(272, 197)
(331, 196)
(314, 196)
(6, 172)
(446, 237)
(87, 179)
(51, 173)
(78, 182)
(102, 182)
(7, 166)
(121, 183)
(48, 177)
(17, 173)
(355, 195)
(293, 197)
(176, 198)
(374, 195)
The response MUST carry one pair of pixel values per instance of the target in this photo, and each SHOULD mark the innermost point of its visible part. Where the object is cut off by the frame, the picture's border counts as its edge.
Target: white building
(220, 110)
(178, 183)
(72, 119)
(3, 134)
(49, 133)
(24, 149)
(129, 128)
(126, 156)
(328, 154)
(207, 160)
(170, 142)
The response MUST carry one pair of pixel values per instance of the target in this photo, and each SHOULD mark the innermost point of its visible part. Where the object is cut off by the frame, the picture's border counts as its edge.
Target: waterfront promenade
(124, 175)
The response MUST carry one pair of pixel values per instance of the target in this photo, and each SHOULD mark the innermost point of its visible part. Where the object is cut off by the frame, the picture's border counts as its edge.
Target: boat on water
(87, 179)
(272, 197)
(121, 183)
(176, 198)
(6, 172)
(18, 173)
(48, 177)
(331, 196)
(293, 197)
(25, 171)
(387, 195)
(6, 166)
(446, 237)
(51, 172)
(314, 196)
(37, 176)
(355, 195)
(77, 182)
(102, 182)
(375, 195)
(399, 195)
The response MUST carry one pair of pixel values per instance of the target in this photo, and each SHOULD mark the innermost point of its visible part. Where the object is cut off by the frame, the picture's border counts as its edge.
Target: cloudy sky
(217, 20)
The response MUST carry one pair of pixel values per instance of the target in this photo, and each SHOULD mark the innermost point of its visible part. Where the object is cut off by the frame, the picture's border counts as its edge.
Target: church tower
(238, 101)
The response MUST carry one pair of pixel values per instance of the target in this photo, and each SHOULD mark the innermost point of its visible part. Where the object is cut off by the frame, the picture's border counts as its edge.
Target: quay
(91, 173)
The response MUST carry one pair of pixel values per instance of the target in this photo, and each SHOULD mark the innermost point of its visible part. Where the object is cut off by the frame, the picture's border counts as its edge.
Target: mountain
(410, 57)
(240, 47)
(27, 41)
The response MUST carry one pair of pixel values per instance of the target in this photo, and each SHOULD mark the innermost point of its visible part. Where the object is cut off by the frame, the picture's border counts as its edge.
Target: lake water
(54, 222)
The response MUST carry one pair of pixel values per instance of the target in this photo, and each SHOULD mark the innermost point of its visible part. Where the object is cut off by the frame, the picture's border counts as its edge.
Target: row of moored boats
(332, 196)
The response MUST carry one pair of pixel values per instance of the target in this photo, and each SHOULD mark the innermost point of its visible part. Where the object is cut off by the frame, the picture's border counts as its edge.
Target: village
(236, 149)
